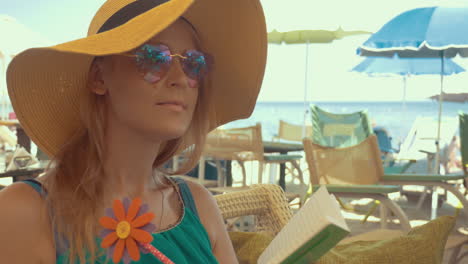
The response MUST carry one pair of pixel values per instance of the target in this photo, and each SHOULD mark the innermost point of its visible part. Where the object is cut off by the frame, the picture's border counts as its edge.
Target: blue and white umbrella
(422, 32)
(406, 66)
(382, 66)
(430, 32)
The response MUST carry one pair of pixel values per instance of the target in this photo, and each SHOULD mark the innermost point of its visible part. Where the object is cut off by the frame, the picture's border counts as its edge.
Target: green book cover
(317, 246)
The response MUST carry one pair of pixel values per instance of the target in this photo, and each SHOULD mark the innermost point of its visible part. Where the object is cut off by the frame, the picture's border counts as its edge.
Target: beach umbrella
(307, 37)
(429, 32)
(15, 37)
(384, 66)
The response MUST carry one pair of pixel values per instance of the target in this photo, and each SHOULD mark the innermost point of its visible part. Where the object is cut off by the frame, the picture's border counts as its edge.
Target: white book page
(319, 211)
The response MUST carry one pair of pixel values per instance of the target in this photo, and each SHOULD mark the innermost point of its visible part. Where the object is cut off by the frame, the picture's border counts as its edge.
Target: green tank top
(187, 242)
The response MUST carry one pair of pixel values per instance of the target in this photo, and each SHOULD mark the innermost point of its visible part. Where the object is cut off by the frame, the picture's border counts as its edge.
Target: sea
(397, 117)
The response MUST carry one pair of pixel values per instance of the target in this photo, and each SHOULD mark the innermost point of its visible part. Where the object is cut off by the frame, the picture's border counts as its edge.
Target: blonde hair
(75, 188)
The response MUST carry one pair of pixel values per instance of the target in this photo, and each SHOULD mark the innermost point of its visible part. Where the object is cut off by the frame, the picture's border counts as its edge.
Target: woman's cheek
(151, 78)
(192, 83)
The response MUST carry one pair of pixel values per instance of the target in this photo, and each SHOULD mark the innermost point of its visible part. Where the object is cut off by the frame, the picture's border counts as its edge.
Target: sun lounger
(421, 142)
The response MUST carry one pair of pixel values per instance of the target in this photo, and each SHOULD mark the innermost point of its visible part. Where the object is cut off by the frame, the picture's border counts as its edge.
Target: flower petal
(144, 208)
(104, 232)
(126, 204)
(119, 210)
(110, 213)
(150, 228)
(126, 257)
(132, 249)
(109, 240)
(119, 250)
(133, 209)
(108, 222)
(142, 220)
(141, 236)
(110, 251)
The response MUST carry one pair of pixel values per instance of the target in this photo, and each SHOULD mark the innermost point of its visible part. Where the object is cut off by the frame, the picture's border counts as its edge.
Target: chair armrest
(421, 177)
(358, 188)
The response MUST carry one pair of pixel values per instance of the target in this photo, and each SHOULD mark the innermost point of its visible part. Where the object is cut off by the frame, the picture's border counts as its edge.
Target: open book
(315, 229)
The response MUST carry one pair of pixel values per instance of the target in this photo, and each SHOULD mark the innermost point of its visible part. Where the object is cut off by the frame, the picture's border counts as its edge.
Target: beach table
(271, 147)
(281, 148)
(23, 174)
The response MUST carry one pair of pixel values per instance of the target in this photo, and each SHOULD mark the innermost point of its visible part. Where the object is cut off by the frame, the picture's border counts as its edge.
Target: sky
(329, 77)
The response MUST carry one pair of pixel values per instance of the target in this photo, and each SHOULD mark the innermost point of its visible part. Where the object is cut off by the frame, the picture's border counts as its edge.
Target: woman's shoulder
(205, 203)
(21, 205)
(21, 199)
(200, 193)
(24, 222)
(24, 204)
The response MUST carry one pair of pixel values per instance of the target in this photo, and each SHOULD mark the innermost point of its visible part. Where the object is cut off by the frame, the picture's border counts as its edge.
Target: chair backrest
(339, 130)
(235, 143)
(359, 164)
(267, 202)
(463, 117)
(292, 132)
(384, 140)
(423, 134)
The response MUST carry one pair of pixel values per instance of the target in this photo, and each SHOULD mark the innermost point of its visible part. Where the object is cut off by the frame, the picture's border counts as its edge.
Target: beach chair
(384, 140)
(291, 132)
(389, 153)
(339, 130)
(420, 143)
(288, 132)
(268, 204)
(423, 144)
(355, 172)
(241, 145)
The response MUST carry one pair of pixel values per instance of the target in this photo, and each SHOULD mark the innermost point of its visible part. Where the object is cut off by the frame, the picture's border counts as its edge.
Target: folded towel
(21, 159)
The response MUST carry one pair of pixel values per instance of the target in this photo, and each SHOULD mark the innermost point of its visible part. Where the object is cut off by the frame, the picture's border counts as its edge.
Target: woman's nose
(176, 76)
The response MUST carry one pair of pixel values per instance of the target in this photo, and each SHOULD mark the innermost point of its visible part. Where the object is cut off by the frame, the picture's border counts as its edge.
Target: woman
(148, 82)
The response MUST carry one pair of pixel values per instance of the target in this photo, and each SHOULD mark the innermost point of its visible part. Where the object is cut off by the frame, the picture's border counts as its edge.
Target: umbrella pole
(437, 157)
(306, 110)
(404, 93)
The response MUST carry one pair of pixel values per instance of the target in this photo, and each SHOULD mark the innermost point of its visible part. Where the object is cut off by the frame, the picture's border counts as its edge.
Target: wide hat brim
(44, 83)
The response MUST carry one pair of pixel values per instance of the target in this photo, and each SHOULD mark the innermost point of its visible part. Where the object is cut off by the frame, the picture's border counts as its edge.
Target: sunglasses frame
(207, 57)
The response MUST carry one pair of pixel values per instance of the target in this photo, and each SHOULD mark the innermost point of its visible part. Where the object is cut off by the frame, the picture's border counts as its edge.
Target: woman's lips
(174, 106)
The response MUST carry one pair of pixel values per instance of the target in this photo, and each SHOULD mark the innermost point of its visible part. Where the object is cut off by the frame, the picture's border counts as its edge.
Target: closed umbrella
(307, 37)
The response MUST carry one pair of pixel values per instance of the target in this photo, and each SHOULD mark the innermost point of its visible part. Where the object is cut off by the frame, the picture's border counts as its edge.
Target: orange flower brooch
(128, 230)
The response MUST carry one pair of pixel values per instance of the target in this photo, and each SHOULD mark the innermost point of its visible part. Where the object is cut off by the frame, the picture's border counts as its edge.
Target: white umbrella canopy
(15, 37)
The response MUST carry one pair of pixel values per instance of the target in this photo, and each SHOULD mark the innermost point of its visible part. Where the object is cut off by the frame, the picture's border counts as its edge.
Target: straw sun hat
(45, 83)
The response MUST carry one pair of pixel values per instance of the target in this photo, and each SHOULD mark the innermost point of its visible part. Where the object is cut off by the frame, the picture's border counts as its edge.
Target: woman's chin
(168, 133)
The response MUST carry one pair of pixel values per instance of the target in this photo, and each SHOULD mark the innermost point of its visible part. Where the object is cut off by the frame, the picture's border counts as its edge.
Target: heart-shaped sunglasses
(154, 61)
